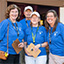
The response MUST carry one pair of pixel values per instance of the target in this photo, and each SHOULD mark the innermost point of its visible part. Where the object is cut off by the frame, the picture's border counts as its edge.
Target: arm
(43, 44)
(3, 29)
(62, 31)
(40, 45)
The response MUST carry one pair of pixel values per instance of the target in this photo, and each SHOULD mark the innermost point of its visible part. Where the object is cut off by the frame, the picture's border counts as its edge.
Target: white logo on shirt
(55, 33)
(41, 32)
(19, 28)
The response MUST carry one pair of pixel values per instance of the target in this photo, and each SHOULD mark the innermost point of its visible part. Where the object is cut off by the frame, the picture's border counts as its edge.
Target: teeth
(49, 20)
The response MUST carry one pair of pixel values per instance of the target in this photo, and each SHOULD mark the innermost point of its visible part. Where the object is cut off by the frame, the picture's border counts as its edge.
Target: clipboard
(15, 46)
(31, 51)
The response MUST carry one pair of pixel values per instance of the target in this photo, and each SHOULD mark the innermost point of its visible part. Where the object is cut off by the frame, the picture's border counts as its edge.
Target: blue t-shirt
(25, 24)
(40, 37)
(57, 40)
(12, 36)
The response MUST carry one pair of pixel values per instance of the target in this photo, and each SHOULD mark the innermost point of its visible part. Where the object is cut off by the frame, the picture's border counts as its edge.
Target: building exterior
(55, 3)
(40, 5)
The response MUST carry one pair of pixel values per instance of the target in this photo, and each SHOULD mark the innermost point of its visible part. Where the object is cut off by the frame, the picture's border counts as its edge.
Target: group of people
(30, 31)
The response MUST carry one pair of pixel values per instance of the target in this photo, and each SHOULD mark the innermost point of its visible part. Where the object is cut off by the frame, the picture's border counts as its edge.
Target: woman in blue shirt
(36, 34)
(55, 37)
(13, 13)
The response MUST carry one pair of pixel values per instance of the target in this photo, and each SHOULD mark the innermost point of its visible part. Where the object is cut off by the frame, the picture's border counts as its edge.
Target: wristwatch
(40, 45)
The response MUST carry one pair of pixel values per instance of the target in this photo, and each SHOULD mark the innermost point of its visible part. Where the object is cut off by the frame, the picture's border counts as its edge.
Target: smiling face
(13, 14)
(35, 19)
(50, 18)
(27, 13)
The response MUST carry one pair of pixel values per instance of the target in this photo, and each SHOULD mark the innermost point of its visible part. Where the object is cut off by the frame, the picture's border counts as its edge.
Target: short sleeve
(62, 31)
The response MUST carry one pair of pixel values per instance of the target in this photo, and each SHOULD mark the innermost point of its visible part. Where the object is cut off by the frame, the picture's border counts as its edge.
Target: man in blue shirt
(26, 23)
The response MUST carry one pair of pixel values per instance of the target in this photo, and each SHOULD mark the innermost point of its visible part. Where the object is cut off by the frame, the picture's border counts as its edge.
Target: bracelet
(40, 45)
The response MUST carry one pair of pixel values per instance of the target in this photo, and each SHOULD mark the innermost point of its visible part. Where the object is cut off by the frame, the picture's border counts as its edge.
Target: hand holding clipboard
(17, 46)
(30, 49)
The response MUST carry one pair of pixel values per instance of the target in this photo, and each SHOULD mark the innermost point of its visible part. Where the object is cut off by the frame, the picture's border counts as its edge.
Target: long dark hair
(56, 22)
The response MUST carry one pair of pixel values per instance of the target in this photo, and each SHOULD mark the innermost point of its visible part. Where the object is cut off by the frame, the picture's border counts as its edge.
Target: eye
(12, 11)
(16, 11)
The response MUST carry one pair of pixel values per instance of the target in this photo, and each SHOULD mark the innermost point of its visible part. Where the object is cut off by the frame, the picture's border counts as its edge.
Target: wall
(41, 2)
(62, 14)
(3, 5)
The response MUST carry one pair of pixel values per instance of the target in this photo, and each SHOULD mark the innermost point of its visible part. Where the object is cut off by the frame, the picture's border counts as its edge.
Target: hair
(56, 22)
(9, 8)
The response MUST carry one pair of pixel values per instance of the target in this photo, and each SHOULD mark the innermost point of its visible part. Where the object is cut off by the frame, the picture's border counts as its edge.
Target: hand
(21, 45)
(36, 47)
(27, 53)
(25, 45)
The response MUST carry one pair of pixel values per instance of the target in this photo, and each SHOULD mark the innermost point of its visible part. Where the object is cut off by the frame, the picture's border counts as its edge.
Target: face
(27, 13)
(13, 14)
(50, 18)
(35, 19)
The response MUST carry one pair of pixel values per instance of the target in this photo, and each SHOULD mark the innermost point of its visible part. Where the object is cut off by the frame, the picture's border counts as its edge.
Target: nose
(14, 14)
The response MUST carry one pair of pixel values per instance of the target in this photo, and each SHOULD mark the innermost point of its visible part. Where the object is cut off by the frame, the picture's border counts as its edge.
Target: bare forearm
(44, 44)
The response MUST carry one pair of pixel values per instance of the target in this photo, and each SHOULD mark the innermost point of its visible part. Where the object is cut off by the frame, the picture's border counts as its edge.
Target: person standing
(25, 24)
(12, 14)
(36, 34)
(55, 37)
(26, 21)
